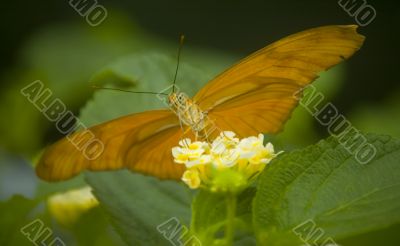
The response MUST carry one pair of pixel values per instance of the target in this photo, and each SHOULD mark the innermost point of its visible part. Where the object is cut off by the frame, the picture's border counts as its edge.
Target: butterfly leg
(183, 132)
(209, 127)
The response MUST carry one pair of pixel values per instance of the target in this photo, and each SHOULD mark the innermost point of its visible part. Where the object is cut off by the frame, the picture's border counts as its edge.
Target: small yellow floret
(191, 178)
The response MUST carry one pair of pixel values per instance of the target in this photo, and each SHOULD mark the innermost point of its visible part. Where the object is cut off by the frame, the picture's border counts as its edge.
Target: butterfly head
(178, 100)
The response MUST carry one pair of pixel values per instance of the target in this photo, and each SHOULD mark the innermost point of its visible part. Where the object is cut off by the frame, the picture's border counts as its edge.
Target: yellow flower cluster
(67, 207)
(225, 162)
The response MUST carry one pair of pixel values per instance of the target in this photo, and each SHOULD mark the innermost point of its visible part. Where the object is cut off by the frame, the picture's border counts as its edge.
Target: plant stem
(231, 201)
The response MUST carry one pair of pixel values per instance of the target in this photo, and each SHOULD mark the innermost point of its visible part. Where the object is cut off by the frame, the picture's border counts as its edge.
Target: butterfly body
(188, 112)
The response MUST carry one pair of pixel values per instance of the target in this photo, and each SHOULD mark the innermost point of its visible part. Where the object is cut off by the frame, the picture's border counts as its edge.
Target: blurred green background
(49, 41)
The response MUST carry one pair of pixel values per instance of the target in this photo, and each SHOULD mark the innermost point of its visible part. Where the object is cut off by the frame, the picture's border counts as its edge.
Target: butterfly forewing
(257, 94)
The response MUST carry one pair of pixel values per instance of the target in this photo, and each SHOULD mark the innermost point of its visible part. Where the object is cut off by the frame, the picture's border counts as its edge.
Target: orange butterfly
(253, 96)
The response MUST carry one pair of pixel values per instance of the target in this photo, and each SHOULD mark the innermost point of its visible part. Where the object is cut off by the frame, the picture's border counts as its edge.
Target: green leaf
(324, 184)
(138, 204)
(93, 228)
(390, 236)
(209, 216)
(45, 189)
(148, 72)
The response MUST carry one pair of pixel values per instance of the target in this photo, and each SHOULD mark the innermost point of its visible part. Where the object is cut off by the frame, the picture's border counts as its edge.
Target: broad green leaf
(387, 236)
(325, 186)
(148, 71)
(93, 228)
(45, 189)
(138, 204)
(209, 216)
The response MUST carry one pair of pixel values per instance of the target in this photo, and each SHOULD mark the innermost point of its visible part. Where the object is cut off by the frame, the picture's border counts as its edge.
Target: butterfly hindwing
(135, 141)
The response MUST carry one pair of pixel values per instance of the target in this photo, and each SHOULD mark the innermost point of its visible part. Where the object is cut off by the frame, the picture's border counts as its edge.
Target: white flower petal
(176, 151)
(269, 147)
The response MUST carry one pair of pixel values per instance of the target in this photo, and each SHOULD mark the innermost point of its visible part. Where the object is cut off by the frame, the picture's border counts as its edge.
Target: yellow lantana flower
(188, 151)
(226, 163)
(67, 207)
(191, 178)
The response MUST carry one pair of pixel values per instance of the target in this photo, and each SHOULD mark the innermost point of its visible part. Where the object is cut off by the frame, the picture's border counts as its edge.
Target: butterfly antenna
(136, 92)
(177, 64)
